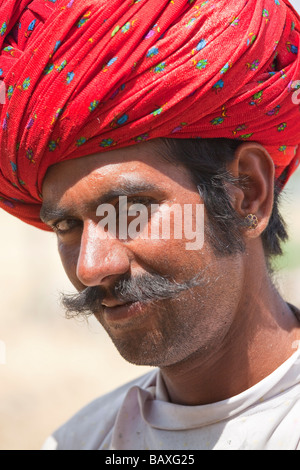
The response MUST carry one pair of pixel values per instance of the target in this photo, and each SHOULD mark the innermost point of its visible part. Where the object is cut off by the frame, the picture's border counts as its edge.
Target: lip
(112, 304)
(123, 312)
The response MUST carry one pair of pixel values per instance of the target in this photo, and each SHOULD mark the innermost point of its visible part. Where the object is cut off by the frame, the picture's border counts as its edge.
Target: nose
(101, 258)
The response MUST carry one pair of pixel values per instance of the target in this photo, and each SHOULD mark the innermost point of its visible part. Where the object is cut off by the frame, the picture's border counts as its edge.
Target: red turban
(88, 76)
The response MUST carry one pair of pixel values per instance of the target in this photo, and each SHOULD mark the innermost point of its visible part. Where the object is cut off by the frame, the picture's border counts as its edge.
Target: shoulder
(93, 425)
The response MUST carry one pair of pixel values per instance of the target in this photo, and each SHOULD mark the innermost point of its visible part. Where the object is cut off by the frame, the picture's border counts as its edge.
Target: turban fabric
(86, 76)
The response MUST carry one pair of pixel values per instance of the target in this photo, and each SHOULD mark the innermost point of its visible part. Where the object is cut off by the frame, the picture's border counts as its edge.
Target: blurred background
(56, 366)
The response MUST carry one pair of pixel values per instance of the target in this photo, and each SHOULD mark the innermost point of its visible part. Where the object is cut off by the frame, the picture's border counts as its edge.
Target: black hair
(207, 161)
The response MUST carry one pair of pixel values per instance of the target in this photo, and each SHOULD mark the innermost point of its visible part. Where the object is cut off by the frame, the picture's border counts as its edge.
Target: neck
(260, 340)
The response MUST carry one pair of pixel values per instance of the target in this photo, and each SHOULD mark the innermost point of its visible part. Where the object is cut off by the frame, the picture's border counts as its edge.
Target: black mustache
(142, 288)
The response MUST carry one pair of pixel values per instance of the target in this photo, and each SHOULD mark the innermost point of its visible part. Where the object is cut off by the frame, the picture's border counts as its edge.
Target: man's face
(176, 325)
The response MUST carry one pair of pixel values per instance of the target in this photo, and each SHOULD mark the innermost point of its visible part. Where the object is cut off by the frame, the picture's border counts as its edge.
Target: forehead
(102, 172)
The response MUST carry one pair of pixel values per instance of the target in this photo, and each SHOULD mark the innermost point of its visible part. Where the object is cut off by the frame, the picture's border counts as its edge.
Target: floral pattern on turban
(86, 76)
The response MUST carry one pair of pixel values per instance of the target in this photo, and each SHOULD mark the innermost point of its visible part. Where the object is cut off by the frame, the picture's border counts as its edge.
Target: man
(137, 106)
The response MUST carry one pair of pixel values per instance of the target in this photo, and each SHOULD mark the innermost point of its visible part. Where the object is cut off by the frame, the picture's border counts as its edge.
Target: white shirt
(138, 416)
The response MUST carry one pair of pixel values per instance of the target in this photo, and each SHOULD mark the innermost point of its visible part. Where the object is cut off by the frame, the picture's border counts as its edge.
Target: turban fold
(80, 77)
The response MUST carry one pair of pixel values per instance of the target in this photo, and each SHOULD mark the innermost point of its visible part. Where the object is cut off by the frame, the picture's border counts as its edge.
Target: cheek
(180, 243)
(171, 258)
(69, 258)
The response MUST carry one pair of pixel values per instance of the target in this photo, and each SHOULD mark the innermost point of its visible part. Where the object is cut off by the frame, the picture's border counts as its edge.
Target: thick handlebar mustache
(143, 288)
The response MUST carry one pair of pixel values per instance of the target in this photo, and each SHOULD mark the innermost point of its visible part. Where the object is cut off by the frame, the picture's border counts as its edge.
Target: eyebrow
(51, 212)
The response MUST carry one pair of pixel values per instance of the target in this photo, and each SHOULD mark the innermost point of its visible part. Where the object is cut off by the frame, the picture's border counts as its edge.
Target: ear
(254, 165)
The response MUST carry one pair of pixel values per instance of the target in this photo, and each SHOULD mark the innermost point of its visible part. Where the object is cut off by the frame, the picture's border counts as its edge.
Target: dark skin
(211, 342)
